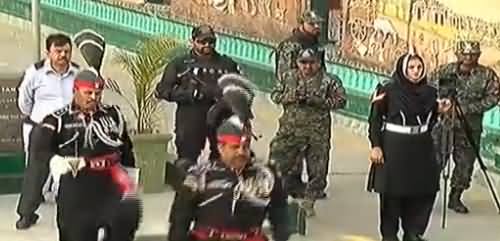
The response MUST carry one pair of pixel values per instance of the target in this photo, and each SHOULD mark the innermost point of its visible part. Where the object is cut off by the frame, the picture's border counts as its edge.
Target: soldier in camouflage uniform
(477, 91)
(306, 35)
(308, 95)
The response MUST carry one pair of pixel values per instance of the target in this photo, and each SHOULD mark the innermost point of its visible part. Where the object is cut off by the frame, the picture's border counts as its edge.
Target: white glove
(61, 165)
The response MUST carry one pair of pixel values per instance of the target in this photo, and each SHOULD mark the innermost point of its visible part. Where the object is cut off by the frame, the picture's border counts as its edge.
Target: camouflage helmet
(310, 17)
(308, 54)
(468, 47)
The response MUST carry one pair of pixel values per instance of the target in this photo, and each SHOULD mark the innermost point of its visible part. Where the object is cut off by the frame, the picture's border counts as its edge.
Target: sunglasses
(308, 61)
(206, 41)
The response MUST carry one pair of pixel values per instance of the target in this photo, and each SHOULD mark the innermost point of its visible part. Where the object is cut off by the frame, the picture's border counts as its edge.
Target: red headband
(232, 139)
(99, 84)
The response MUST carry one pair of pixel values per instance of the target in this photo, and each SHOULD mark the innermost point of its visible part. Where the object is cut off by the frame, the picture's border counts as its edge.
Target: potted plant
(145, 67)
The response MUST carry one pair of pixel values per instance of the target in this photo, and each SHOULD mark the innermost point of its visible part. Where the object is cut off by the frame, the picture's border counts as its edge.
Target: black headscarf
(417, 98)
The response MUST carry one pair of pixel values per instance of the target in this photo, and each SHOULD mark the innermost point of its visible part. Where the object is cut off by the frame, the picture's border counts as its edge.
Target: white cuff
(60, 165)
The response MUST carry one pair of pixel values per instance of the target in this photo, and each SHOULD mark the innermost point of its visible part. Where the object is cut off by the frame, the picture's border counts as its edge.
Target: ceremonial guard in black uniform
(404, 169)
(228, 198)
(191, 82)
(87, 147)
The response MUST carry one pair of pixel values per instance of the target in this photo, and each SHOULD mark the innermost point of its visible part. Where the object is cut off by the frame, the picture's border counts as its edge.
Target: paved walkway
(350, 214)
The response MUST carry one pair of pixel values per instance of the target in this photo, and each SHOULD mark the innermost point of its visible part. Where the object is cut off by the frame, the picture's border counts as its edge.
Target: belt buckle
(418, 129)
(414, 129)
(98, 164)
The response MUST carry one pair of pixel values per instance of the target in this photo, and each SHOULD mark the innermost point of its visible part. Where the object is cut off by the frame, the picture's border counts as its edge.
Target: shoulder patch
(113, 109)
(38, 65)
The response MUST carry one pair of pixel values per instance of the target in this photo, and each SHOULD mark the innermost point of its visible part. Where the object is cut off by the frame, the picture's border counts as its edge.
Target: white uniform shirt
(43, 91)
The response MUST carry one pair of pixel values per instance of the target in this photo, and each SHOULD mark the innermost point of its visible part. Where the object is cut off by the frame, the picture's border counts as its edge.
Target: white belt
(412, 130)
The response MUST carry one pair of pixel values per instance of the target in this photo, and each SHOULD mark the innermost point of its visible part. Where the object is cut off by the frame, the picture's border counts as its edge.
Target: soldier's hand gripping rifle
(189, 79)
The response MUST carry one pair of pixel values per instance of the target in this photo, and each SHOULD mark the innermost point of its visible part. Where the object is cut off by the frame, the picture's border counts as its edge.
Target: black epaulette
(116, 114)
(108, 107)
(58, 113)
(75, 65)
(38, 65)
(386, 81)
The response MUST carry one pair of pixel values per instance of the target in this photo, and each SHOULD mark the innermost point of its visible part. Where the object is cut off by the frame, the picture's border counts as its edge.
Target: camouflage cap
(468, 47)
(202, 32)
(310, 17)
(308, 54)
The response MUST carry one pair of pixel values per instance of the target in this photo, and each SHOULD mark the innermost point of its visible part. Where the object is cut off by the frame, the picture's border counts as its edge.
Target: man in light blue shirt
(46, 87)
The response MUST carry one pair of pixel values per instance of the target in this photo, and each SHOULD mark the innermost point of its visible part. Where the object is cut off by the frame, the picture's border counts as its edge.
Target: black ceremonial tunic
(93, 198)
(410, 167)
(215, 196)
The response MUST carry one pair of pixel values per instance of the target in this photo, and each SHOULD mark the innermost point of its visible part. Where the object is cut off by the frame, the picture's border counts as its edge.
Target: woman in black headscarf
(404, 169)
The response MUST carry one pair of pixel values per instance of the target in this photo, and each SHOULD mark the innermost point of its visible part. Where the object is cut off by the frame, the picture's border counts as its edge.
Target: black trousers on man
(91, 201)
(191, 130)
(35, 175)
(412, 212)
(191, 134)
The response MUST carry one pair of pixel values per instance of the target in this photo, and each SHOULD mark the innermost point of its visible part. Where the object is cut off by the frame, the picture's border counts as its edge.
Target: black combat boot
(413, 237)
(308, 206)
(393, 238)
(455, 203)
(26, 222)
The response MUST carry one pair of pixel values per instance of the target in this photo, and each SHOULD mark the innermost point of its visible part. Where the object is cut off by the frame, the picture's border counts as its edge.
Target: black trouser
(190, 143)
(191, 134)
(414, 213)
(35, 175)
(90, 202)
(191, 131)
